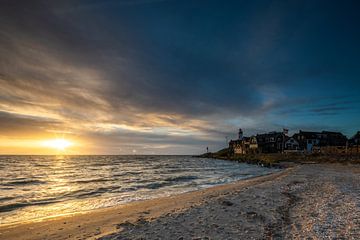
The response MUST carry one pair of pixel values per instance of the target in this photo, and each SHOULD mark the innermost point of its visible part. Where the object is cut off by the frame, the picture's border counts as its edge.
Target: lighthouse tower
(240, 134)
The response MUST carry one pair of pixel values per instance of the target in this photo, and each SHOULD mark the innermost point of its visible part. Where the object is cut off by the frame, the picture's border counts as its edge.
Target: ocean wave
(6, 198)
(93, 180)
(181, 178)
(155, 185)
(168, 182)
(14, 206)
(175, 170)
(84, 193)
(24, 182)
(133, 173)
(97, 181)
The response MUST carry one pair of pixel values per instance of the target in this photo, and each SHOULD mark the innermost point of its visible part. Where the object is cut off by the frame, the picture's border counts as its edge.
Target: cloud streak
(173, 76)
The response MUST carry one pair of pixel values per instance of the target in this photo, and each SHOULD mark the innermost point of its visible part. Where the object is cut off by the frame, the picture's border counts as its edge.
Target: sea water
(36, 187)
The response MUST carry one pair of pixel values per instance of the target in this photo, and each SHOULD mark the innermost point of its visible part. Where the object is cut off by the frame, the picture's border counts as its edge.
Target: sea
(37, 187)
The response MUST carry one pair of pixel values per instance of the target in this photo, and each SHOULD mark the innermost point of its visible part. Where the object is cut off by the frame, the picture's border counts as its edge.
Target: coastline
(310, 201)
(318, 201)
(101, 222)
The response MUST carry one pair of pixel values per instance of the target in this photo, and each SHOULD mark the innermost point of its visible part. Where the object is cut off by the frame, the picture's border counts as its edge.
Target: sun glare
(58, 144)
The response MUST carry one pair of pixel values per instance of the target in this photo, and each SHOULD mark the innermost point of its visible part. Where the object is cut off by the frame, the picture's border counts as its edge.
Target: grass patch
(275, 159)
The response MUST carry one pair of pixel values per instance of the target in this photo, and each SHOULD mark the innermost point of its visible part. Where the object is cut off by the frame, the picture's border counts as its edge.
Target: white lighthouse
(240, 134)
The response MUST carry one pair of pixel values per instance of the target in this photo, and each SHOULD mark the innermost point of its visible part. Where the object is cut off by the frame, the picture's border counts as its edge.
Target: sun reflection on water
(36, 187)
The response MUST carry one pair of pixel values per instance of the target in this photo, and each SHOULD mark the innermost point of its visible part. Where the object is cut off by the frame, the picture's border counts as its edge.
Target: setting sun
(58, 144)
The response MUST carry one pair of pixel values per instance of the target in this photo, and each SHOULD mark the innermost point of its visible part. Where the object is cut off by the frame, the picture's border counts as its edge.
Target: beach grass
(276, 159)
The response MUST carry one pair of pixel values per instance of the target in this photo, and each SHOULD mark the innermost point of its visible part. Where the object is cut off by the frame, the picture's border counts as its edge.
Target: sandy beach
(313, 200)
(179, 120)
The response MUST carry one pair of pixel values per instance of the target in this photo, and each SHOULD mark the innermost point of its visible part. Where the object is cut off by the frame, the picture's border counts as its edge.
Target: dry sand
(316, 201)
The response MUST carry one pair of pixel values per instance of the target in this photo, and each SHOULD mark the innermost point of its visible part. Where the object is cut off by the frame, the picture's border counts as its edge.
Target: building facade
(304, 141)
(271, 142)
(291, 145)
(243, 145)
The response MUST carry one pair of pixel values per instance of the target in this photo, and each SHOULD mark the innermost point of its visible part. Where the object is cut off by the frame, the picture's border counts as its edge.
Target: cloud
(168, 74)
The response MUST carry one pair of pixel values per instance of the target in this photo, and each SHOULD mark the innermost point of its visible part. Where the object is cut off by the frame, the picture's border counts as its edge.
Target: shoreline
(317, 201)
(101, 222)
(310, 201)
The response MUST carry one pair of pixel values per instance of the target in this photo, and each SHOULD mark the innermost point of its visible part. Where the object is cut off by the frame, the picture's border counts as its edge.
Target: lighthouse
(240, 134)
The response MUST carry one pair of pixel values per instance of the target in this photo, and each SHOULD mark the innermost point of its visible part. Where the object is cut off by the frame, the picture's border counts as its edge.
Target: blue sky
(176, 76)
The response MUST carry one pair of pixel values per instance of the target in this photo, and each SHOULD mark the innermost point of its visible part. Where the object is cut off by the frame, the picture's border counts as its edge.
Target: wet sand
(313, 200)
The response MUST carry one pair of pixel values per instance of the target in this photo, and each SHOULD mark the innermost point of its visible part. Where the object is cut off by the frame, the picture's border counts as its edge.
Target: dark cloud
(201, 68)
(13, 125)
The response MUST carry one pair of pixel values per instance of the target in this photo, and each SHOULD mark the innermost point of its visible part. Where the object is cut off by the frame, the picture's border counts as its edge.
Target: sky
(173, 77)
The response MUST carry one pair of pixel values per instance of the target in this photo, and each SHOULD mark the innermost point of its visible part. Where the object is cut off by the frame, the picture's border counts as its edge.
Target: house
(307, 140)
(236, 147)
(332, 139)
(311, 142)
(354, 144)
(252, 143)
(355, 140)
(271, 142)
(291, 145)
(243, 145)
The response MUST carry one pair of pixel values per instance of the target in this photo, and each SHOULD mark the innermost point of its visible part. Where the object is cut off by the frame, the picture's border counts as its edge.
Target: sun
(59, 144)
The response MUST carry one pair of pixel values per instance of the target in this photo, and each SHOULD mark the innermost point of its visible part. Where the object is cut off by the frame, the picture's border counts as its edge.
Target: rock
(125, 224)
(251, 214)
(227, 203)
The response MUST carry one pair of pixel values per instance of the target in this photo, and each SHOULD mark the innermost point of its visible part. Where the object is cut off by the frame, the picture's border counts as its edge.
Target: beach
(311, 200)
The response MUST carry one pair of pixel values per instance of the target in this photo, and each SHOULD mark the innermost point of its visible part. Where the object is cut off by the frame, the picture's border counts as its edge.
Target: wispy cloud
(164, 75)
